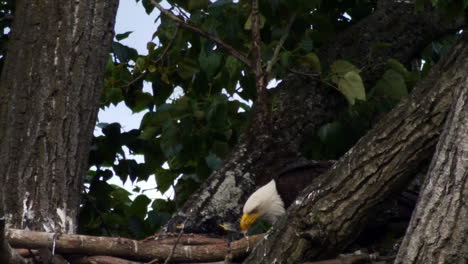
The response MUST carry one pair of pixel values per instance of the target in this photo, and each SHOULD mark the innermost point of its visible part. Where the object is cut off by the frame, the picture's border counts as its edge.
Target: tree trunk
(300, 106)
(438, 231)
(329, 215)
(49, 92)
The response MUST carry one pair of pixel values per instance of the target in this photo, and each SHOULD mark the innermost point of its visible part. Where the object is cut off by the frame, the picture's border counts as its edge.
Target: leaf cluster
(7, 8)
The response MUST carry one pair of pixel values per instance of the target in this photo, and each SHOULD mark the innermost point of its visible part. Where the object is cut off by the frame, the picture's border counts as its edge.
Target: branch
(131, 249)
(231, 50)
(168, 259)
(257, 67)
(101, 260)
(187, 239)
(273, 59)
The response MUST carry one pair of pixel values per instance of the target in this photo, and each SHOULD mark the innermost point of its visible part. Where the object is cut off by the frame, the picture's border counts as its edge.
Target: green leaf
(350, 84)
(187, 67)
(140, 64)
(209, 62)
(135, 225)
(170, 143)
(339, 68)
(307, 44)
(333, 135)
(149, 7)
(352, 87)
(123, 35)
(158, 219)
(213, 161)
(248, 22)
(197, 4)
(311, 59)
(139, 206)
(124, 53)
(142, 100)
(164, 179)
(217, 114)
(398, 67)
(163, 205)
(161, 91)
(285, 58)
(232, 65)
(392, 84)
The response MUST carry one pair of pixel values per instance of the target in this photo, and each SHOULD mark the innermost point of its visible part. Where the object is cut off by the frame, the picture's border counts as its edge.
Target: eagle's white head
(265, 203)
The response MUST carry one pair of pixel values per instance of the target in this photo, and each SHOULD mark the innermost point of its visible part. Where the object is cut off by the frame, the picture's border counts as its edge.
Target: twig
(236, 54)
(166, 49)
(182, 12)
(273, 59)
(177, 242)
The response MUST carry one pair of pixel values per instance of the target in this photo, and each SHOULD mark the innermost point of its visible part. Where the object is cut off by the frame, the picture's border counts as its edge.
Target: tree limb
(328, 214)
(442, 210)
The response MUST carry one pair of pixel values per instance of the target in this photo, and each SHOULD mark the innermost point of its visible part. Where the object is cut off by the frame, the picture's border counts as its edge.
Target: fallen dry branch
(133, 249)
(186, 239)
(101, 260)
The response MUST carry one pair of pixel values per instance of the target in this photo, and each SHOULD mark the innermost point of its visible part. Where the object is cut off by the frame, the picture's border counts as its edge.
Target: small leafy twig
(132, 82)
(166, 49)
(236, 54)
(143, 74)
(273, 59)
(182, 12)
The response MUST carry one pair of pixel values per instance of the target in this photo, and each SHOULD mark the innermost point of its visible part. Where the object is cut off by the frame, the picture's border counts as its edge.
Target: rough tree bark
(49, 91)
(328, 215)
(438, 231)
(301, 106)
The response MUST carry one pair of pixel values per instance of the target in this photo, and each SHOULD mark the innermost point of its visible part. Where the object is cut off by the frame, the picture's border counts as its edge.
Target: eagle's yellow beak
(247, 221)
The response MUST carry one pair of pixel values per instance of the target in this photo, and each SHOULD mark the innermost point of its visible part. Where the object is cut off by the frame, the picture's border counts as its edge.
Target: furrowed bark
(49, 91)
(301, 106)
(328, 216)
(438, 231)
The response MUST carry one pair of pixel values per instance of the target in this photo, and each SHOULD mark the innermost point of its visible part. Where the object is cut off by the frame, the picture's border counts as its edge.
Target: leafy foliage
(196, 96)
(6, 19)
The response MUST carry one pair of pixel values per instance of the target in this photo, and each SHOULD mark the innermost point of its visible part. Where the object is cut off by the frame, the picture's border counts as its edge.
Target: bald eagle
(265, 203)
(269, 201)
